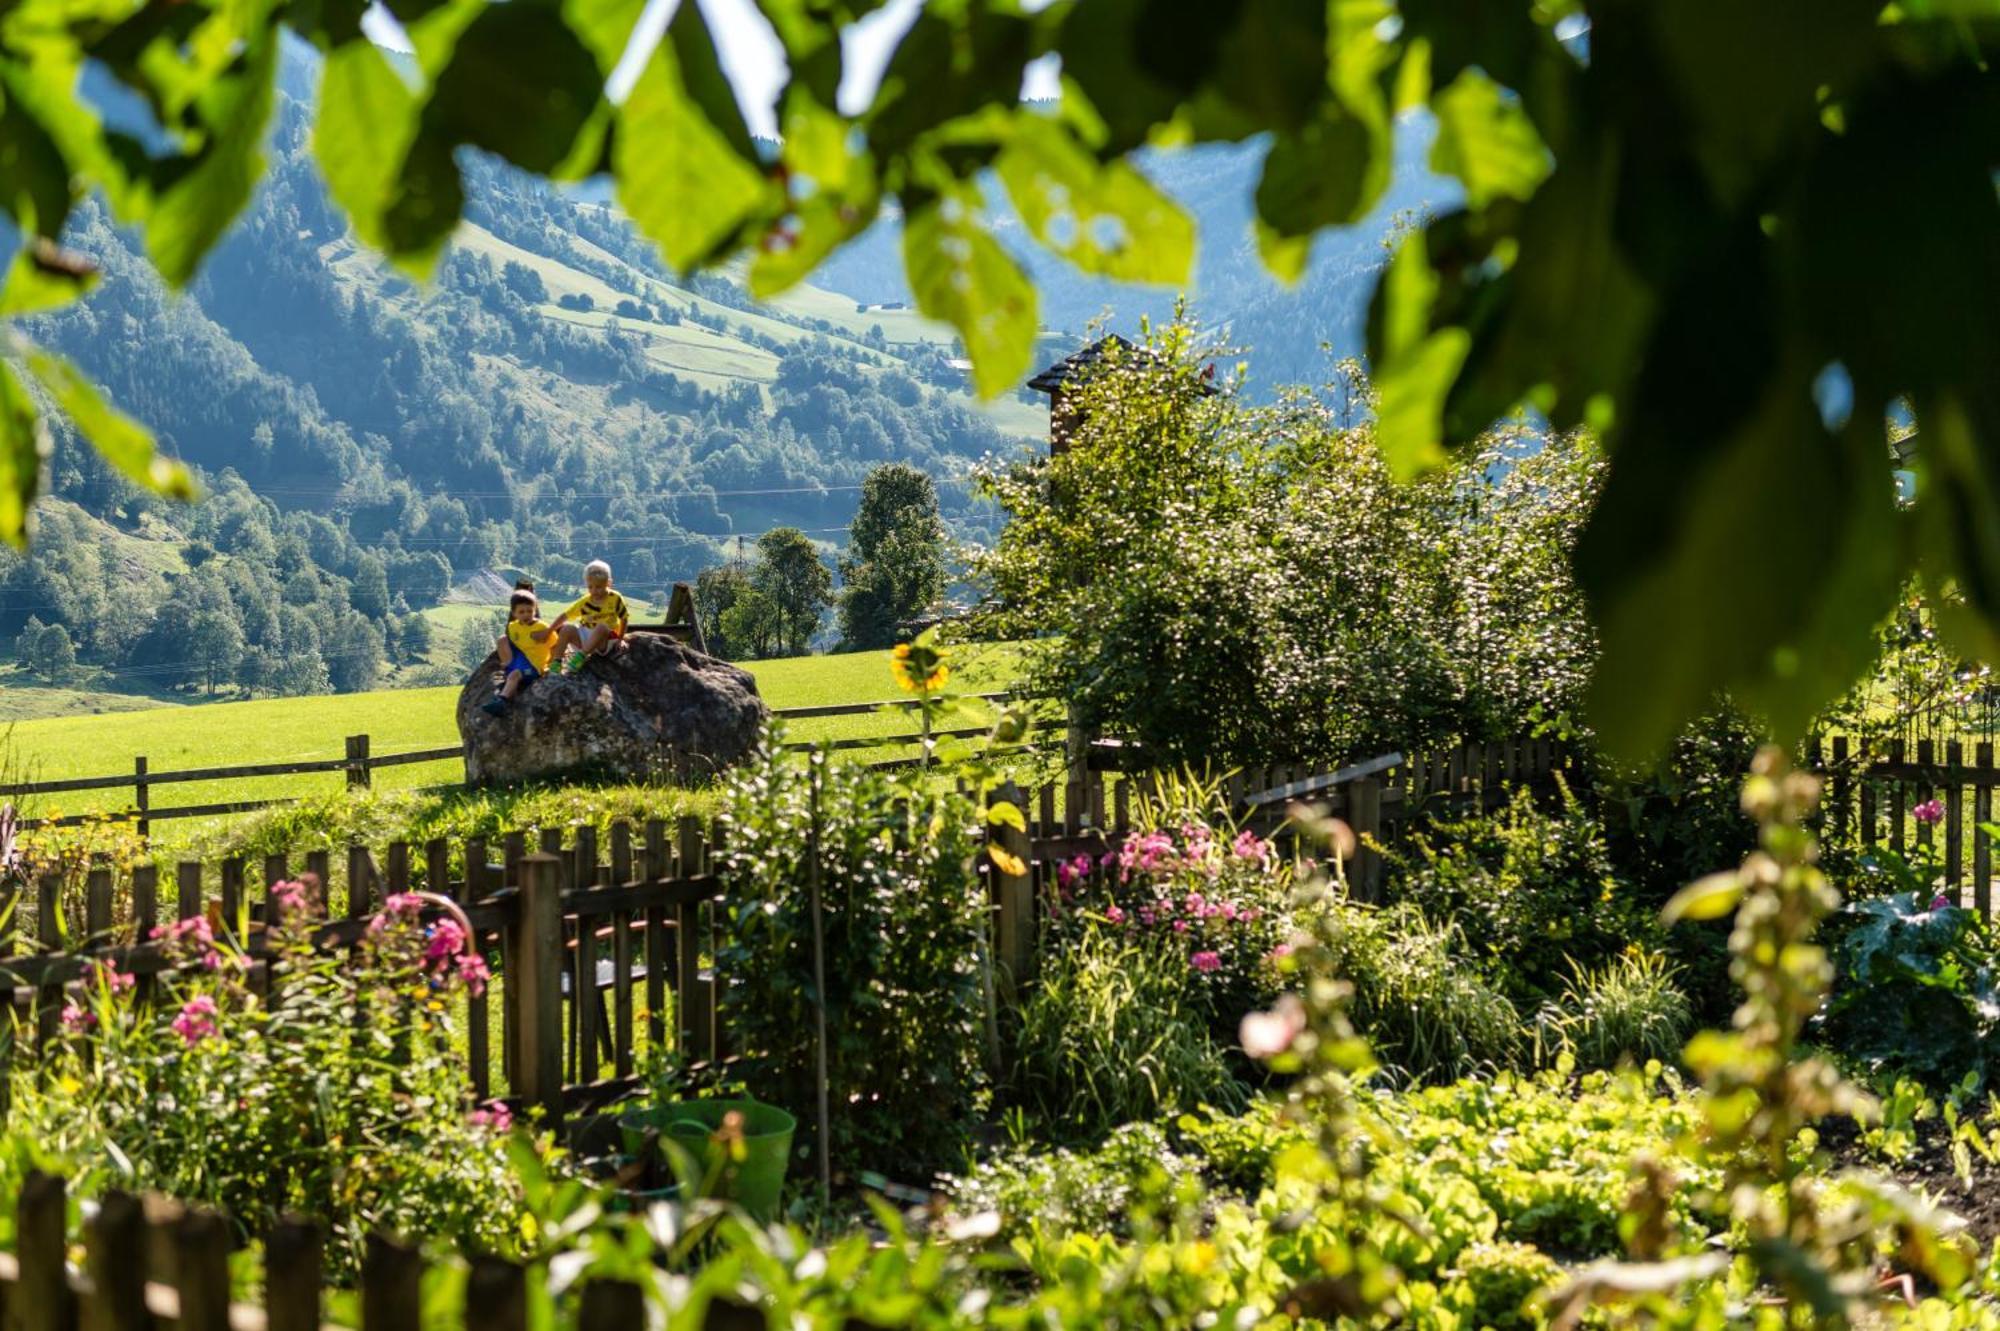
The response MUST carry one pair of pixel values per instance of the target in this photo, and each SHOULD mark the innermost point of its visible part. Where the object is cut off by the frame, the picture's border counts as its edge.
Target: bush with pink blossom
(310, 1082)
(1215, 895)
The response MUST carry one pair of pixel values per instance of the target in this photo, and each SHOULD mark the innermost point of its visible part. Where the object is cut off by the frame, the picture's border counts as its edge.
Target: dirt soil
(1929, 1171)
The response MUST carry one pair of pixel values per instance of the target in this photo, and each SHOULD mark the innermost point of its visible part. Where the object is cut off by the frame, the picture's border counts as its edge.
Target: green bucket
(756, 1181)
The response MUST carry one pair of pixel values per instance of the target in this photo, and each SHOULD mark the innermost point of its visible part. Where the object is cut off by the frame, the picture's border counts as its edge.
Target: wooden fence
(360, 762)
(149, 1262)
(604, 943)
(1875, 797)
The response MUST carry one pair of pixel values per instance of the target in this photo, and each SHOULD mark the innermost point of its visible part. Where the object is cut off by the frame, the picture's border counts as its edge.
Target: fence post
(41, 1297)
(357, 762)
(535, 954)
(1364, 815)
(142, 799)
(1013, 899)
(115, 1258)
(201, 1265)
(392, 1276)
(293, 1272)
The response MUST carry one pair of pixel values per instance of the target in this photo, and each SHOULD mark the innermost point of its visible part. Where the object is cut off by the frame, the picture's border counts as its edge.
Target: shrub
(1191, 880)
(339, 1095)
(1054, 1192)
(1502, 1278)
(1114, 1031)
(1528, 889)
(904, 922)
(1628, 1009)
(1245, 583)
(1429, 1013)
(1917, 991)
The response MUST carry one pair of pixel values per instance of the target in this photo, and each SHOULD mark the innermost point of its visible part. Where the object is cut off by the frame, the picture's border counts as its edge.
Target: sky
(754, 59)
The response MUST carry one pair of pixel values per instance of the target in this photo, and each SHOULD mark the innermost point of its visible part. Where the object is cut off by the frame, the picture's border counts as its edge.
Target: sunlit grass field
(395, 721)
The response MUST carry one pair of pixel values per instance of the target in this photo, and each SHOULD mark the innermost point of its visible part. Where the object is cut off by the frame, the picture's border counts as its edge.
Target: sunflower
(918, 667)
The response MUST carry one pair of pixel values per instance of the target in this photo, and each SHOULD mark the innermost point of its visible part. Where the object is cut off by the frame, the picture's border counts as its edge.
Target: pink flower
(197, 1020)
(1940, 902)
(115, 980)
(472, 971)
(1205, 962)
(289, 897)
(1227, 910)
(1180, 926)
(493, 1115)
(1930, 811)
(405, 904)
(1250, 847)
(78, 1018)
(1113, 914)
(447, 940)
(1281, 951)
(1268, 1034)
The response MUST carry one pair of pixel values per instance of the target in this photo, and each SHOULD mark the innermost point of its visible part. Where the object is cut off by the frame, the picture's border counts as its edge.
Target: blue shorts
(520, 665)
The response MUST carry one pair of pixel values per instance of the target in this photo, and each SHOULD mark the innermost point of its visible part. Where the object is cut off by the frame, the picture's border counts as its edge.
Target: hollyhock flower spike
(1269, 1034)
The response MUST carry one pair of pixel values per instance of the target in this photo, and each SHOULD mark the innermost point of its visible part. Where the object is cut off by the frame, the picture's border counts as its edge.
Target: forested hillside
(366, 443)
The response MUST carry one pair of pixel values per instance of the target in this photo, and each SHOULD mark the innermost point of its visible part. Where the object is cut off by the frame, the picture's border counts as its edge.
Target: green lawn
(395, 721)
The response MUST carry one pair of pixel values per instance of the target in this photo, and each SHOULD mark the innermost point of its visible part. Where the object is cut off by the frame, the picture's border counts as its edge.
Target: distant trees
(895, 562)
(796, 583)
(716, 591)
(46, 650)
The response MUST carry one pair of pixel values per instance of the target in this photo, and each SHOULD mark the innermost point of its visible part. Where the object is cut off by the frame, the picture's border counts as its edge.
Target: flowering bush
(332, 1090)
(1217, 898)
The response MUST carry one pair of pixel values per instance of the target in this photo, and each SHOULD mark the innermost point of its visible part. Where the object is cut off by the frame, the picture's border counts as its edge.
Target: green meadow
(276, 730)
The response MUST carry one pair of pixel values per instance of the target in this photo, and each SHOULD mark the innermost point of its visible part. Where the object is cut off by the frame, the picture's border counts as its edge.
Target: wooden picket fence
(1873, 795)
(602, 942)
(149, 1263)
(360, 762)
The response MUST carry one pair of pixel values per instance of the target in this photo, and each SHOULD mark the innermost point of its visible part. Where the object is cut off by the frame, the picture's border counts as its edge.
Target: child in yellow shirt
(600, 618)
(524, 648)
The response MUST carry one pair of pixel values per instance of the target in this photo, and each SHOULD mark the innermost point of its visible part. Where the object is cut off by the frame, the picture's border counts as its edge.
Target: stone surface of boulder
(657, 710)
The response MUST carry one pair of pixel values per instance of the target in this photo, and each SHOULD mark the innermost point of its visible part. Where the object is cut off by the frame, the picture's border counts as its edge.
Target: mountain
(552, 396)
(1286, 332)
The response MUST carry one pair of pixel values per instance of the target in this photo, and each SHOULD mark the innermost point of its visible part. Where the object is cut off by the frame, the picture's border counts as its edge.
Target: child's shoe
(494, 706)
(574, 663)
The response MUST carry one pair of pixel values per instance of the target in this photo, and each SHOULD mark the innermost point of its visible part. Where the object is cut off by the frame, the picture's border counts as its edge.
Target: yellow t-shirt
(538, 653)
(609, 612)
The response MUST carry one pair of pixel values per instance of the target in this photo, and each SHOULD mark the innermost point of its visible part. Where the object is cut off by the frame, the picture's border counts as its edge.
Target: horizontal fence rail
(360, 762)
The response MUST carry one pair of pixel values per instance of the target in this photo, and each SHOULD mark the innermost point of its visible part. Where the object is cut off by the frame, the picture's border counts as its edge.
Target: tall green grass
(1114, 1032)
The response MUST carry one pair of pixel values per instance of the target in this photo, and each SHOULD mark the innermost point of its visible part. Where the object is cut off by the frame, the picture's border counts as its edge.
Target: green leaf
(960, 274)
(1708, 898)
(1415, 366)
(190, 214)
(122, 441)
(23, 444)
(531, 115)
(688, 183)
(367, 117)
(1002, 813)
(34, 174)
(1737, 545)
(845, 197)
(1329, 173)
(43, 277)
(1105, 218)
(1485, 139)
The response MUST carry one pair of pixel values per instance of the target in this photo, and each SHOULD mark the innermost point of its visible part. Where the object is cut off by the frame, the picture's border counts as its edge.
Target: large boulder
(656, 710)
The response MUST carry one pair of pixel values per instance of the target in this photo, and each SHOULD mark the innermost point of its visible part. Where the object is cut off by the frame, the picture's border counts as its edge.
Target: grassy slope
(396, 721)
